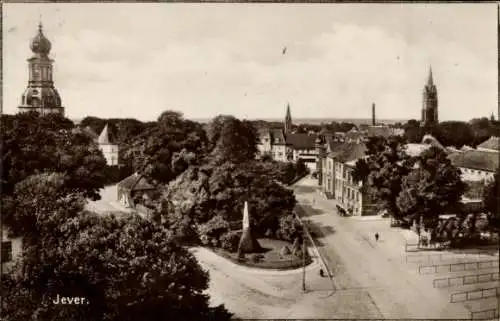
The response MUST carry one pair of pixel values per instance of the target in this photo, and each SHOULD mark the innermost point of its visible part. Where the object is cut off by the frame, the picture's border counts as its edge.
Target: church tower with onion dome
(41, 95)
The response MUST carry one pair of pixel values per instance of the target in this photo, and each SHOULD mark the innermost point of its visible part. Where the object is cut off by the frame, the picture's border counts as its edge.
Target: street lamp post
(303, 257)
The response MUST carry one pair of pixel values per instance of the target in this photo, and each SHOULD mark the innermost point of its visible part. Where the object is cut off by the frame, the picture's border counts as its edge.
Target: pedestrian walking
(321, 273)
(376, 237)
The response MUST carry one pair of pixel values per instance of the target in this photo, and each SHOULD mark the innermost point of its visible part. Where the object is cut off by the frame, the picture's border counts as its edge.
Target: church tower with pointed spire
(108, 148)
(430, 102)
(40, 95)
(288, 120)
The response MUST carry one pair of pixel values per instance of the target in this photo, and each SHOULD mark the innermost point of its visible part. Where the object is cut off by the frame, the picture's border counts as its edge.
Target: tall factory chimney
(373, 114)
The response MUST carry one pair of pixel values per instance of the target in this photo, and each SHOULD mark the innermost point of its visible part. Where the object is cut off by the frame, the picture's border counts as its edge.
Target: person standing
(376, 237)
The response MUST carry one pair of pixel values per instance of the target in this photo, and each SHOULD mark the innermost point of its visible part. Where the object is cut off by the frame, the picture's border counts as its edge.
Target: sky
(250, 60)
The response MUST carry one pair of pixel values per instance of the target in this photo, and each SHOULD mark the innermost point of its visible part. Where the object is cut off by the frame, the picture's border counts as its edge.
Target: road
(108, 202)
(254, 293)
(374, 267)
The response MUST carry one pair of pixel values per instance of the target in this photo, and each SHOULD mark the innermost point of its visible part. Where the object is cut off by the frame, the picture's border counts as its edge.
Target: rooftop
(347, 152)
(492, 143)
(135, 182)
(476, 159)
(104, 136)
(301, 141)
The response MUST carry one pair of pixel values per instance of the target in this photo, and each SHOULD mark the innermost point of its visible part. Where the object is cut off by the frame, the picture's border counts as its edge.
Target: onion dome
(40, 44)
(41, 97)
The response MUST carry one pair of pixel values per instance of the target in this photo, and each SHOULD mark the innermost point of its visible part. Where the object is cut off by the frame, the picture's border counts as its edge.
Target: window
(6, 254)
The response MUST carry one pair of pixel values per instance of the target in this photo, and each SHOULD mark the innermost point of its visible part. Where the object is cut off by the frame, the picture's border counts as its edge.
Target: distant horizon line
(297, 120)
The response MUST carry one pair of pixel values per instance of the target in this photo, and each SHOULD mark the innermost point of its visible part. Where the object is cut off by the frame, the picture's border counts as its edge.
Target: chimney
(373, 114)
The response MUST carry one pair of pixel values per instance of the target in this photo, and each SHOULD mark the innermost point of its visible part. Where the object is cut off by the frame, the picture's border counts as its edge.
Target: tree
(203, 192)
(433, 188)
(35, 144)
(127, 269)
(454, 133)
(361, 171)
(413, 132)
(289, 229)
(37, 204)
(491, 197)
(231, 139)
(282, 172)
(168, 148)
(211, 231)
(388, 164)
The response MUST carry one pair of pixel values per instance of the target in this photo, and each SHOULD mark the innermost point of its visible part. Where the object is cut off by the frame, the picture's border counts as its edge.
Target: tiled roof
(453, 156)
(492, 143)
(475, 159)
(273, 134)
(353, 135)
(135, 182)
(104, 136)
(277, 136)
(301, 141)
(349, 151)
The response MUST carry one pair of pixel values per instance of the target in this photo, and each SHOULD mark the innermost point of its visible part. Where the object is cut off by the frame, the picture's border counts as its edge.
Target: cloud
(208, 60)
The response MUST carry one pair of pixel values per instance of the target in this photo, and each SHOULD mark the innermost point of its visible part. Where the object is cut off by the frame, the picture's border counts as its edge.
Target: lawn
(271, 257)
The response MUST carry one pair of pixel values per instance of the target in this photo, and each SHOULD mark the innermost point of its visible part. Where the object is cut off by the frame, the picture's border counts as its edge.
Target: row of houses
(285, 146)
(336, 162)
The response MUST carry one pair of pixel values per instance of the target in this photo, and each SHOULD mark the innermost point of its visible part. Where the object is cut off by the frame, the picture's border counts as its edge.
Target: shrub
(285, 251)
(289, 228)
(257, 257)
(230, 240)
(211, 231)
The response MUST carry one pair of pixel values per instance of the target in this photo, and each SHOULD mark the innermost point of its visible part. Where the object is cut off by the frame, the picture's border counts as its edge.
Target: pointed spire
(430, 81)
(40, 26)
(104, 137)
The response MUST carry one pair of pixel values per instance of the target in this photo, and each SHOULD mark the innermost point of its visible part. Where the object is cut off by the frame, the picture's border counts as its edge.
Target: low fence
(429, 258)
(465, 280)
(416, 247)
(489, 314)
(474, 295)
(457, 267)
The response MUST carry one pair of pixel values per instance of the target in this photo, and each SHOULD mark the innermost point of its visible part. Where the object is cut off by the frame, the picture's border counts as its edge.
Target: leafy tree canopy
(492, 196)
(34, 144)
(433, 188)
(203, 192)
(127, 269)
(231, 139)
(168, 148)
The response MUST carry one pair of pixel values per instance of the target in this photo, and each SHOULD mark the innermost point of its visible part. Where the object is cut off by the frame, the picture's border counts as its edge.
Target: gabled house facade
(337, 178)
